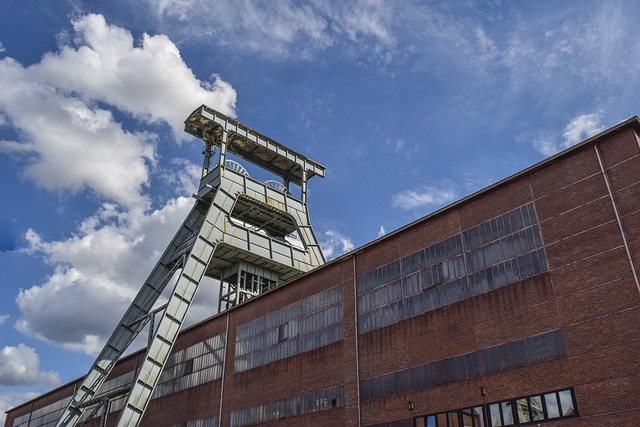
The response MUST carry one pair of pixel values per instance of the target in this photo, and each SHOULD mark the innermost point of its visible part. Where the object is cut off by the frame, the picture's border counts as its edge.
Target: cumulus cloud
(3, 318)
(150, 81)
(282, 29)
(62, 107)
(382, 231)
(335, 244)
(426, 196)
(97, 272)
(578, 129)
(21, 366)
(2, 49)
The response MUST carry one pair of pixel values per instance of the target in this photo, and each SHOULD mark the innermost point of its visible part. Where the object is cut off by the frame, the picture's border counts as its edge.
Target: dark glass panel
(413, 306)
(492, 359)
(449, 370)
(466, 239)
(436, 372)
(516, 218)
(471, 365)
(417, 377)
(402, 381)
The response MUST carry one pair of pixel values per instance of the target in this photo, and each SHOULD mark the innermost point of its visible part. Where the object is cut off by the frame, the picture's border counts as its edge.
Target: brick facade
(586, 202)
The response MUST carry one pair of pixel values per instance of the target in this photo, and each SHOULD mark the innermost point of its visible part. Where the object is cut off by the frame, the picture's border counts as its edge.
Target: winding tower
(248, 234)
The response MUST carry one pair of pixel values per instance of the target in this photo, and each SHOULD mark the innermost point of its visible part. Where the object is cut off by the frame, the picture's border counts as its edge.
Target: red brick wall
(589, 292)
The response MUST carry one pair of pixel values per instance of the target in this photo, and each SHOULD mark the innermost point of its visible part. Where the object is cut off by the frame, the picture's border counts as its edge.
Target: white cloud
(335, 244)
(425, 196)
(578, 129)
(150, 81)
(21, 366)
(97, 272)
(9, 400)
(2, 48)
(282, 29)
(4, 318)
(382, 231)
(72, 143)
(546, 144)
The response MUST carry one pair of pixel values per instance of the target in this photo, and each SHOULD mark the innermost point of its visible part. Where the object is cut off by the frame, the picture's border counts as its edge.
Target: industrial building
(517, 305)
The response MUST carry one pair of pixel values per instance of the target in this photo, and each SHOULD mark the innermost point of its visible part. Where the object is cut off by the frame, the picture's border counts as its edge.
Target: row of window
(499, 227)
(46, 416)
(508, 247)
(314, 322)
(290, 347)
(533, 349)
(521, 411)
(203, 422)
(201, 362)
(316, 401)
(299, 309)
(496, 253)
(192, 352)
(186, 368)
(197, 364)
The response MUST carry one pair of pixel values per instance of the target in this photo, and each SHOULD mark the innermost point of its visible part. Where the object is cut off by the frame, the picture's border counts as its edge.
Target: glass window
(522, 410)
(537, 412)
(551, 403)
(442, 419)
(478, 416)
(494, 413)
(566, 403)
(507, 413)
(467, 417)
(452, 418)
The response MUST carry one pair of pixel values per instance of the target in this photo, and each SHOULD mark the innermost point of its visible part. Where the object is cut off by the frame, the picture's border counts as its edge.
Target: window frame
(487, 419)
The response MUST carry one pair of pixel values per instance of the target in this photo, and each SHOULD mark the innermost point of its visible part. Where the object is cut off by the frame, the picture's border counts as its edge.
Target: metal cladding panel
(177, 308)
(184, 290)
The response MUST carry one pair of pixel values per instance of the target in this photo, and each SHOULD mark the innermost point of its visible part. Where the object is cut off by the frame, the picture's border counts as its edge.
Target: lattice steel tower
(248, 234)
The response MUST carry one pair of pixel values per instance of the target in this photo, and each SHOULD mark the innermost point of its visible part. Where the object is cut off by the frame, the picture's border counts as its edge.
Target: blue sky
(410, 105)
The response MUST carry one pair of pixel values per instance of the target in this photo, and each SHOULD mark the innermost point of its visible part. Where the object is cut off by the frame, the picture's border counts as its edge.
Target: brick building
(519, 304)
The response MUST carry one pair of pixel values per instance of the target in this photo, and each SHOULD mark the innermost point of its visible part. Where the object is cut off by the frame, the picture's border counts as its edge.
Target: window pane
(420, 422)
(494, 412)
(536, 408)
(467, 417)
(551, 402)
(442, 419)
(507, 413)
(453, 419)
(522, 409)
(566, 403)
(431, 421)
(478, 416)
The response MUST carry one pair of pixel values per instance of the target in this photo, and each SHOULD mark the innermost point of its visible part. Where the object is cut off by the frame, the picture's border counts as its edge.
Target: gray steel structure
(238, 231)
